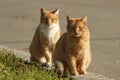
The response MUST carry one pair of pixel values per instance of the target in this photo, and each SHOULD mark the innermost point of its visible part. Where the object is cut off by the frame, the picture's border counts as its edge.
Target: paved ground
(19, 19)
(26, 56)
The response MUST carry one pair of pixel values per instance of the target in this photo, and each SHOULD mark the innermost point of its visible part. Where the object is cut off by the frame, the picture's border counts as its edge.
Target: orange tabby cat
(46, 36)
(72, 51)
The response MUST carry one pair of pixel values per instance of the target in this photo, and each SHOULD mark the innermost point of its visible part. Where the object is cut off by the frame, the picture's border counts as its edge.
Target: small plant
(12, 68)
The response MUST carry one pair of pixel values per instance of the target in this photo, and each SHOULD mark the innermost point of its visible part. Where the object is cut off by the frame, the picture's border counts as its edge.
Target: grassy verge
(12, 68)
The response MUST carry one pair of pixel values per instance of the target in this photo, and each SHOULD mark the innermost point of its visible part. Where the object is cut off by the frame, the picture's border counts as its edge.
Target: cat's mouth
(52, 25)
(49, 26)
(78, 35)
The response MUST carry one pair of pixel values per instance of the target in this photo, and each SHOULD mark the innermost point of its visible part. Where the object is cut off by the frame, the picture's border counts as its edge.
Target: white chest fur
(49, 31)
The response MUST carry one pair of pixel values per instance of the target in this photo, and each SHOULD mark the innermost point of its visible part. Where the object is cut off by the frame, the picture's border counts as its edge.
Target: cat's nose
(76, 31)
(48, 22)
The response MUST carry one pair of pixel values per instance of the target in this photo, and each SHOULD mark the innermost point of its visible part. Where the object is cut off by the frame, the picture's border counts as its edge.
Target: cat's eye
(72, 28)
(83, 29)
(52, 19)
(80, 27)
(46, 18)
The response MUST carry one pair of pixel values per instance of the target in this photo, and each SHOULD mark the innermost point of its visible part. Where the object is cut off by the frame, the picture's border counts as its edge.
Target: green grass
(12, 68)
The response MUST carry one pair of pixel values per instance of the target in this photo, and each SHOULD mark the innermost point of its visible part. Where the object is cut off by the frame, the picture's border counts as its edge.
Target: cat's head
(49, 17)
(76, 26)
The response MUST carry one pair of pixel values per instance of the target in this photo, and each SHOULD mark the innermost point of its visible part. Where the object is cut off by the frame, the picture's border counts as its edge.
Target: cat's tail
(59, 68)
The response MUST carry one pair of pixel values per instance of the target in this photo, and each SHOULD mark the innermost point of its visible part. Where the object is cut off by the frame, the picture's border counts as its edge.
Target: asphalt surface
(20, 18)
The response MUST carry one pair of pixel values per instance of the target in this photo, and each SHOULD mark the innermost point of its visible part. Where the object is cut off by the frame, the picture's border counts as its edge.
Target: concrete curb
(20, 54)
(26, 56)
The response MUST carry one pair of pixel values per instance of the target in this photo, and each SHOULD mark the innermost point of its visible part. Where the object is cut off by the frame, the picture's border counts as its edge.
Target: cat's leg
(81, 67)
(48, 57)
(38, 58)
(88, 61)
(85, 62)
(66, 71)
(71, 62)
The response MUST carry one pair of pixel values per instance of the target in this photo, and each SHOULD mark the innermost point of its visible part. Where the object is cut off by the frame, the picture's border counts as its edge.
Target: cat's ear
(56, 11)
(68, 18)
(43, 11)
(85, 19)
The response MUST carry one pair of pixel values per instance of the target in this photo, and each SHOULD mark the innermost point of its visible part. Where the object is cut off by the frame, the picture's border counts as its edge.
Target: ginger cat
(72, 51)
(45, 37)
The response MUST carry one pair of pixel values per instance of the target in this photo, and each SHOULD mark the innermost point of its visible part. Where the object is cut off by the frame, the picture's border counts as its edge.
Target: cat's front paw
(82, 72)
(48, 64)
(74, 73)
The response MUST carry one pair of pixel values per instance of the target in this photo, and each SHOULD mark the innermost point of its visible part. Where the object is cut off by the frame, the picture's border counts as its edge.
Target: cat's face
(76, 26)
(49, 18)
